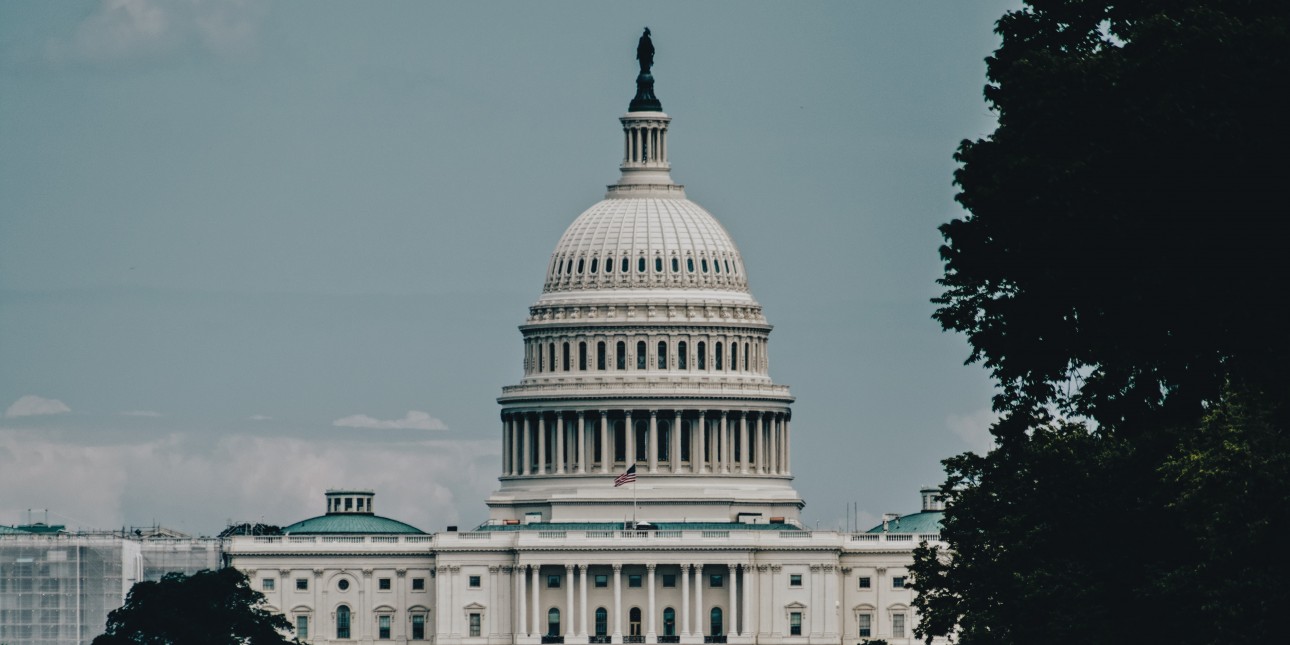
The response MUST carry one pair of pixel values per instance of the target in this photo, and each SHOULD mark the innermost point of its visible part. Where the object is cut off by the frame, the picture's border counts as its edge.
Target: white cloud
(141, 413)
(122, 30)
(413, 420)
(974, 429)
(32, 405)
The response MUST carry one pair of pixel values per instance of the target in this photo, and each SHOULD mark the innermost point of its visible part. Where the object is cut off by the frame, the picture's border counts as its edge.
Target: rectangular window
(898, 625)
(302, 627)
(795, 580)
(866, 624)
(553, 582)
(634, 580)
(267, 584)
(716, 580)
(474, 582)
(898, 582)
(795, 623)
(475, 624)
(865, 582)
(383, 584)
(418, 584)
(602, 580)
(302, 584)
(669, 580)
(383, 627)
(418, 627)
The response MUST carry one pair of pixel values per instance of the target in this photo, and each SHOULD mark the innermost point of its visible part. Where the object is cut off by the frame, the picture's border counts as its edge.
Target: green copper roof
(925, 522)
(352, 523)
(617, 526)
(9, 530)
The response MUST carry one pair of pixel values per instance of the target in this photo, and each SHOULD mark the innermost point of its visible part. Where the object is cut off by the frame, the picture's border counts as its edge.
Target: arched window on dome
(640, 265)
(600, 355)
(595, 262)
(702, 356)
(718, 356)
(734, 357)
(609, 264)
(682, 362)
(716, 265)
(704, 264)
(641, 355)
(580, 265)
(676, 265)
(551, 356)
(565, 356)
(689, 265)
(625, 265)
(620, 356)
(662, 355)
(582, 357)
(658, 265)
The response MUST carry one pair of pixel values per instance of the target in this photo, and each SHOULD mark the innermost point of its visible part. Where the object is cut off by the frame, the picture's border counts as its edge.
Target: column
(617, 635)
(525, 440)
(566, 621)
(651, 636)
(710, 457)
(541, 443)
(537, 607)
(788, 445)
(521, 604)
(698, 600)
(750, 617)
(676, 443)
(697, 454)
(506, 446)
(726, 449)
(604, 441)
(582, 442)
(559, 444)
(685, 600)
(582, 603)
(630, 436)
(743, 444)
(830, 601)
(733, 626)
(651, 441)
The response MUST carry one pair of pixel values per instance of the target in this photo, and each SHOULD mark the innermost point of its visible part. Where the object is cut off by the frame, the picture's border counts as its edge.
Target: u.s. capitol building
(645, 351)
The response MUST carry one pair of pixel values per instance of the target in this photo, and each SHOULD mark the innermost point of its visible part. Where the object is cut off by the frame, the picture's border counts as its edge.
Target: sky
(250, 251)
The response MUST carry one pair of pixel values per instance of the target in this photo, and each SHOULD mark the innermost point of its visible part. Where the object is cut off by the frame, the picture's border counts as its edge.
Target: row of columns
(544, 355)
(645, 143)
(690, 623)
(763, 438)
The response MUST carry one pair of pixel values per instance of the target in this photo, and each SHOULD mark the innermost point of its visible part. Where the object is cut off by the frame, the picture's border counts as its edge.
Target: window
(267, 584)
(343, 584)
(620, 355)
(418, 627)
(716, 265)
(553, 582)
(551, 356)
(669, 580)
(662, 355)
(865, 621)
(728, 267)
(676, 267)
(689, 264)
(476, 620)
(716, 580)
(745, 356)
(594, 263)
(702, 356)
(553, 622)
(669, 620)
(898, 624)
(302, 627)
(383, 584)
(566, 356)
(383, 627)
(658, 265)
(582, 356)
(602, 619)
(734, 357)
(640, 355)
(474, 582)
(705, 265)
(795, 580)
(609, 264)
(640, 265)
(600, 356)
(865, 582)
(634, 621)
(625, 265)
(418, 584)
(898, 582)
(342, 622)
(302, 584)
(681, 358)
(580, 266)
(718, 357)
(634, 580)
(714, 622)
(795, 623)
(602, 580)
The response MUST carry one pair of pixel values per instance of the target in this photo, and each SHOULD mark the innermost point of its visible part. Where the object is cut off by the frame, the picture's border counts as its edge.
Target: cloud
(259, 417)
(413, 420)
(974, 429)
(132, 30)
(141, 413)
(32, 405)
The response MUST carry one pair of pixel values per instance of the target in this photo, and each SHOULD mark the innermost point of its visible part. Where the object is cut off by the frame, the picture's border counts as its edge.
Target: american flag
(628, 477)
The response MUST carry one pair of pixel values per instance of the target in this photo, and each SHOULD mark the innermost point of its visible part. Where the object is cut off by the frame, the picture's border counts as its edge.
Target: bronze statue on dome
(645, 52)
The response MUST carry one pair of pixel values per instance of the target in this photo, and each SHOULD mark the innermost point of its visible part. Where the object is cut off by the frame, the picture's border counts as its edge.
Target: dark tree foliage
(1121, 263)
(206, 608)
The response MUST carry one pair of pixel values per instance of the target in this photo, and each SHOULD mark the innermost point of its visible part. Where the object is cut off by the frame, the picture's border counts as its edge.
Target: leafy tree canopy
(206, 608)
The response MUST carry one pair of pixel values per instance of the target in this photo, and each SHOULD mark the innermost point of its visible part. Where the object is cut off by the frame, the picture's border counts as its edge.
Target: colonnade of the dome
(658, 440)
(645, 140)
(695, 352)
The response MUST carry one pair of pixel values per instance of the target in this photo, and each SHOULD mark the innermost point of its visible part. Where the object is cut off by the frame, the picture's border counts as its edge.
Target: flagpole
(634, 504)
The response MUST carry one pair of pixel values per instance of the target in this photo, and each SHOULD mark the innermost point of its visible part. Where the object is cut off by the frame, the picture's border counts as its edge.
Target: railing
(385, 538)
(719, 638)
(633, 639)
(301, 539)
(899, 537)
(475, 535)
(715, 534)
(795, 535)
(929, 537)
(597, 640)
(552, 534)
(548, 638)
(669, 639)
(667, 534)
(343, 538)
(865, 537)
(600, 534)
(634, 534)
(267, 539)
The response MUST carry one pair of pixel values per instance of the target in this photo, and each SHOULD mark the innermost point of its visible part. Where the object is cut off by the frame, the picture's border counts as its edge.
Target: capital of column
(650, 566)
(580, 414)
(685, 568)
(617, 567)
(653, 414)
(724, 413)
(604, 414)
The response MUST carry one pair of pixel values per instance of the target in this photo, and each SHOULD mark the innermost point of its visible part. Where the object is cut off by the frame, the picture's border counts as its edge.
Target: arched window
(594, 263)
(662, 355)
(580, 265)
(640, 265)
(689, 264)
(553, 622)
(685, 440)
(734, 357)
(625, 265)
(620, 353)
(715, 628)
(551, 356)
(602, 621)
(746, 363)
(582, 356)
(681, 360)
(342, 622)
(676, 265)
(716, 265)
(702, 355)
(609, 264)
(664, 440)
(728, 267)
(658, 265)
(634, 621)
(568, 268)
(600, 355)
(718, 356)
(566, 356)
(641, 355)
(620, 441)
(705, 265)
(541, 359)
(669, 621)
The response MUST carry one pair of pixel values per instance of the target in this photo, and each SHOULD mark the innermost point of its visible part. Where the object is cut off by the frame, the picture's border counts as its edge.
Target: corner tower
(646, 349)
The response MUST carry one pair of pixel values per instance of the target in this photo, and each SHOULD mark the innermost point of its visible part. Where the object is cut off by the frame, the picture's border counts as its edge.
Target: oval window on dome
(658, 265)
(676, 265)
(625, 265)
(609, 265)
(728, 267)
(716, 266)
(705, 265)
(594, 263)
(640, 265)
(568, 268)
(689, 264)
(580, 265)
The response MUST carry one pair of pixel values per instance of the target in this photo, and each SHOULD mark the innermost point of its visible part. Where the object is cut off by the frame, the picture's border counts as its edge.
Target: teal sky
(249, 251)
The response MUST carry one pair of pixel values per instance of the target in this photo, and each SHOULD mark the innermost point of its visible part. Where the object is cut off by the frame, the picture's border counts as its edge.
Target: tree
(206, 608)
(1117, 273)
